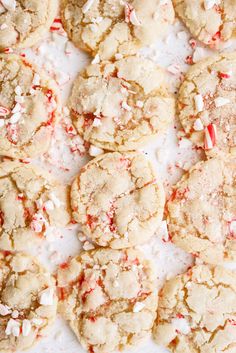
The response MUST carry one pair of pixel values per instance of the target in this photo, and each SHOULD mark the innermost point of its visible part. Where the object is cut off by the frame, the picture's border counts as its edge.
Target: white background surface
(168, 155)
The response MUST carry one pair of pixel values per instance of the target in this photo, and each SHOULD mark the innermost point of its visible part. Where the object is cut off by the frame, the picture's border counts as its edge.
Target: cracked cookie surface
(30, 202)
(212, 22)
(201, 211)
(207, 104)
(109, 27)
(109, 298)
(29, 108)
(197, 311)
(118, 200)
(121, 105)
(28, 302)
(24, 22)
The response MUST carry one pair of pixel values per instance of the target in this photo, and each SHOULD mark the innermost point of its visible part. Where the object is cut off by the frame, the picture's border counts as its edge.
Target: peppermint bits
(131, 16)
(210, 137)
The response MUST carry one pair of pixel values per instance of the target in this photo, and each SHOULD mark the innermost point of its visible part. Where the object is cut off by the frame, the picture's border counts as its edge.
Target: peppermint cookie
(109, 298)
(115, 27)
(197, 312)
(28, 302)
(211, 21)
(23, 23)
(30, 202)
(118, 200)
(29, 108)
(202, 211)
(121, 105)
(207, 104)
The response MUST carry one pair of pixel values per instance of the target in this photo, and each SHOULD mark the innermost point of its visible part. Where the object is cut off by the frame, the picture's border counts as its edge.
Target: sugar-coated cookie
(28, 302)
(201, 212)
(109, 298)
(111, 27)
(207, 104)
(197, 311)
(29, 108)
(24, 22)
(211, 21)
(121, 105)
(30, 202)
(118, 200)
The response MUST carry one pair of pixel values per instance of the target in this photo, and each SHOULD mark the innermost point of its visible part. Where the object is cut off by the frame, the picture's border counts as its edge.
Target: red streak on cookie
(223, 75)
(64, 265)
(210, 137)
(179, 316)
(179, 194)
(91, 220)
(4, 111)
(216, 36)
(232, 322)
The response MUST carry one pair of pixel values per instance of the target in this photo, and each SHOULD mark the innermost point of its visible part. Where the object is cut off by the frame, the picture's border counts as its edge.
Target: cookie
(109, 298)
(29, 108)
(115, 27)
(201, 211)
(197, 311)
(118, 200)
(30, 202)
(207, 104)
(24, 23)
(28, 302)
(119, 106)
(211, 21)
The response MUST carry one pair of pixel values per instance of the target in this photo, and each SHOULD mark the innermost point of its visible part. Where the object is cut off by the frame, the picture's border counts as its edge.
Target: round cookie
(207, 104)
(197, 311)
(29, 108)
(117, 200)
(115, 27)
(28, 302)
(24, 23)
(202, 211)
(30, 202)
(109, 298)
(121, 105)
(211, 21)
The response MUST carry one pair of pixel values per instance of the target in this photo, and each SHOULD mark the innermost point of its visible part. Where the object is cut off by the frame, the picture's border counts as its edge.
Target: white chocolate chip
(95, 151)
(26, 328)
(46, 297)
(199, 103)
(220, 101)
(97, 122)
(139, 104)
(96, 60)
(138, 307)
(198, 125)
(13, 328)
(49, 205)
(87, 6)
(36, 80)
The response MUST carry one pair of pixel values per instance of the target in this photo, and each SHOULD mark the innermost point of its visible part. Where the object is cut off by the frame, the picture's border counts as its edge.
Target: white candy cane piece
(134, 19)
(10, 5)
(209, 4)
(199, 103)
(210, 137)
(221, 101)
(198, 125)
(87, 6)
(4, 111)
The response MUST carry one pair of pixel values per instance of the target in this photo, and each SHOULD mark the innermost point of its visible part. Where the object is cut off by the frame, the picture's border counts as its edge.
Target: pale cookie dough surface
(28, 302)
(212, 22)
(31, 203)
(109, 298)
(118, 200)
(121, 105)
(108, 27)
(207, 102)
(197, 312)
(29, 108)
(202, 211)
(24, 22)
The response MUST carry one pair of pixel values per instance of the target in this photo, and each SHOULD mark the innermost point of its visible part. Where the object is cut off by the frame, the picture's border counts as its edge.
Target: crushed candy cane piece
(225, 74)
(36, 80)
(26, 328)
(38, 222)
(97, 122)
(138, 307)
(13, 328)
(46, 297)
(233, 227)
(199, 103)
(15, 314)
(210, 137)
(181, 325)
(139, 104)
(55, 200)
(221, 101)
(209, 4)
(4, 111)
(49, 205)
(134, 19)
(4, 310)
(37, 321)
(87, 6)
(198, 125)
(2, 122)
(15, 118)
(126, 106)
